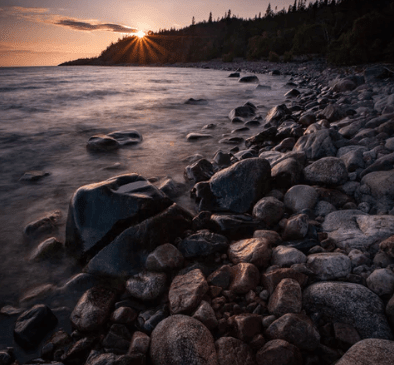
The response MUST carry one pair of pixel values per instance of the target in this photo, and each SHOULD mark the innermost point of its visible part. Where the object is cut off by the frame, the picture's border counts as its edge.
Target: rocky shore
(289, 261)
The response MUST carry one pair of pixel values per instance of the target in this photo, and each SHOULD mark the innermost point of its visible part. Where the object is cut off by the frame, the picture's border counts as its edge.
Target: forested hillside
(346, 32)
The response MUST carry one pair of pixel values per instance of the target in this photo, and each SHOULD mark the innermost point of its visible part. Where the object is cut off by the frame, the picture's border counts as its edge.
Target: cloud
(43, 15)
(91, 26)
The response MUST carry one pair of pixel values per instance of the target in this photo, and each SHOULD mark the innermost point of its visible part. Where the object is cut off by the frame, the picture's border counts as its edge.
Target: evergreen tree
(210, 17)
(269, 13)
(193, 21)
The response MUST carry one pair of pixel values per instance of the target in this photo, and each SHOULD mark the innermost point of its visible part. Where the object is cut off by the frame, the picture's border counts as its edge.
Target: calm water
(47, 115)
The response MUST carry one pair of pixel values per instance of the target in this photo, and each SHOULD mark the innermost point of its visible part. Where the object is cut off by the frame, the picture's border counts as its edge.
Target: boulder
(266, 134)
(272, 278)
(384, 163)
(251, 78)
(33, 325)
(286, 173)
(286, 298)
(369, 352)
(355, 229)
(127, 137)
(139, 343)
(117, 339)
(233, 351)
(245, 326)
(235, 226)
(102, 143)
(127, 254)
(275, 115)
(326, 171)
(93, 309)
(269, 210)
(287, 256)
(381, 282)
(100, 212)
(300, 197)
(245, 277)
(343, 85)
(239, 187)
(206, 315)
(279, 352)
(192, 101)
(350, 303)
(221, 277)
(51, 248)
(180, 339)
(256, 251)
(44, 225)
(202, 243)
(146, 285)
(297, 329)
(387, 246)
(201, 170)
(333, 113)
(186, 291)
(164, 258)
(245, 111)
(197, 136)
(319, 144)
(329, 265)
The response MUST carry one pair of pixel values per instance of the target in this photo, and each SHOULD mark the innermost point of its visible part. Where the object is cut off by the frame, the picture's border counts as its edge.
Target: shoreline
(275, 240)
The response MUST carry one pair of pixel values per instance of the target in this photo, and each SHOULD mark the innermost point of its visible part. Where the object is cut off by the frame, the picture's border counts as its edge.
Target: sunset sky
(49, 32)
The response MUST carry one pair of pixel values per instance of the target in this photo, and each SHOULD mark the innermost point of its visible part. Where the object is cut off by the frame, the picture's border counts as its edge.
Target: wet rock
(252, 78)
(228, 186)
(236, 226)
(292, 93)
(197, 136)
(102, 143)
(369, 351)
(205, 314)
(127, 137)
(127, 254)
(245, 277)
(287, 256)
(297, 329)
(171, 188)
(202, 243)
(44, 225)
(193, 101)
(33, 325)
(79, 351)
(148, 320)
(255, 251)
(275, 115)
(164, 258)
(329, 265)
(384, 163)
(300, 197)
(272, 278)
(234, 74)
(93, 309)
(355, 229)
(124, 315)
(99, 212)
(269, 210)
(343, 85)
(186, 291)
(333, 113)
(201, 170)
(288, 129)
(181, 339)
(97, 358)
(245, 111)
(279, 352)
(296, 227)
(50, 248)
(146, 285)
(245, 326)
(286, 173)
(349, 303)
(34, 175)
(233, 351)
(345, 335)
(286, 298)
(381, 282)
(326, 171)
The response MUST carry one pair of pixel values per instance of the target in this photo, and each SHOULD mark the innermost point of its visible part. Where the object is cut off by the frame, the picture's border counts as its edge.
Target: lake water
(47, 115)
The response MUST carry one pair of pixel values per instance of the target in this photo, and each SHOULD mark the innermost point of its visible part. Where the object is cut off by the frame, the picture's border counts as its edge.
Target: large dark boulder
(180, 339)
(32, 326)
(126, 255)
(100, 212)
(349, 303)
(202, 243)
(239, 187)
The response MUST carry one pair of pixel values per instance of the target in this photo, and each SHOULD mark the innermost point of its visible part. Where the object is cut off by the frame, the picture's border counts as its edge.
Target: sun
(140, 34)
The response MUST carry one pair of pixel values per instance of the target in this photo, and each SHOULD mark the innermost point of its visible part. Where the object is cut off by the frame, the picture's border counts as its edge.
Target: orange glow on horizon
(140, 34)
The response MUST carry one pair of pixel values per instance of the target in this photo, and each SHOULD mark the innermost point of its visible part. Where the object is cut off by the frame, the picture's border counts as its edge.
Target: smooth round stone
(381, 282)
(126, 137)
(197, 136)
(102, 143)
(300, 197)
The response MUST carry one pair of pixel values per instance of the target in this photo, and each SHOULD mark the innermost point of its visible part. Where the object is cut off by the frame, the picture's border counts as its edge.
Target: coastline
(271, 256)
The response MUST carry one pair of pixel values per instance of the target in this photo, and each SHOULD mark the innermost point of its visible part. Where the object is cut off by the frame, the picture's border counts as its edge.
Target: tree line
(344, 31)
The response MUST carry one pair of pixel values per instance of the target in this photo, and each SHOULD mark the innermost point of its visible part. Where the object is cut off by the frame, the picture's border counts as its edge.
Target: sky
(49, 32)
